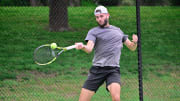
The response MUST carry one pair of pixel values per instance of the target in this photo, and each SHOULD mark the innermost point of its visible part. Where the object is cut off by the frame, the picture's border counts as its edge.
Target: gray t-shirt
(108, 44)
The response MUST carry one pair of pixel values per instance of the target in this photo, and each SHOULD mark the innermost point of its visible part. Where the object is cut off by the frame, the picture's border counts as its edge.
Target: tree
(108, 2)
(175, 2)
(34, 2)
(74, 2)
(160, 2)
(58, 16)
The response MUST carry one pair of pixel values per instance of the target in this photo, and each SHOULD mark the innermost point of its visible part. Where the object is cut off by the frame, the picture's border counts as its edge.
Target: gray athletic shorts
(98, 75)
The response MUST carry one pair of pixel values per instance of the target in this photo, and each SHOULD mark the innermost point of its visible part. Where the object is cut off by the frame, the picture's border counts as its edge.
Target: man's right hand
(79, 45)
(87, 48)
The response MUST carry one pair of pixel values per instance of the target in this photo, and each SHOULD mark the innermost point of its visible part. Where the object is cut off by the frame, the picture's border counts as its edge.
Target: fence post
(139, 50)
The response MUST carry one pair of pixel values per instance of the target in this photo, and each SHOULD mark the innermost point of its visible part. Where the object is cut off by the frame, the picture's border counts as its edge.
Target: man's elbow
(88, 51)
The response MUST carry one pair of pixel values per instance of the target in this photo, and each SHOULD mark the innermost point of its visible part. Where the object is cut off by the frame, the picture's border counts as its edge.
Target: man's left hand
(134, 38)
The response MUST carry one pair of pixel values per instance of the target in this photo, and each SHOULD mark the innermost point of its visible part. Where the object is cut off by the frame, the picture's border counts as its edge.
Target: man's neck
(107, 25)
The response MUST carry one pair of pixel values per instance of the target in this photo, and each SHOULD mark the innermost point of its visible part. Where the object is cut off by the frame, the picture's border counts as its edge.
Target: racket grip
(70, 47)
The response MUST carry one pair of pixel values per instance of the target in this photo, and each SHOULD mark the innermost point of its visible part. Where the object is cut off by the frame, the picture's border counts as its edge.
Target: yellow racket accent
(44, 54)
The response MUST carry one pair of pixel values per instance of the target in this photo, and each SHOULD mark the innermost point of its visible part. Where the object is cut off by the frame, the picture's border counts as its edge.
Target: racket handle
(70, 47)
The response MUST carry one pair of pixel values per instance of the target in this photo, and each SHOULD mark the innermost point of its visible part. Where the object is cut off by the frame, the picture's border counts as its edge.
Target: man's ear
(108, 15)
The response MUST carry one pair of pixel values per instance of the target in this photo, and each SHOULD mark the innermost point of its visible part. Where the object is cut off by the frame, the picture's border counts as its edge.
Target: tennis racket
(44, 54)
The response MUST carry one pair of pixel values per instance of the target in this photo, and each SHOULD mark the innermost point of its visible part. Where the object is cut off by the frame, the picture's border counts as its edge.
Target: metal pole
(139, 50)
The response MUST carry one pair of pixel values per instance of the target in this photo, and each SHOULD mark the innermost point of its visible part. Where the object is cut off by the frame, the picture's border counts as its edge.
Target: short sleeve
(125, 37)
(90, 36)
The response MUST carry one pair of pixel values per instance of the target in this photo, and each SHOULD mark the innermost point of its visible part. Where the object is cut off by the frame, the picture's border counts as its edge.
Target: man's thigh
(86, 95)
(94, 81)
(113, 77)
(113, 85)
(115, 89)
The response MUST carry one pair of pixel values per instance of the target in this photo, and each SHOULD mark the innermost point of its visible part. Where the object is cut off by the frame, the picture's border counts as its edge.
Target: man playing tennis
(107, 42)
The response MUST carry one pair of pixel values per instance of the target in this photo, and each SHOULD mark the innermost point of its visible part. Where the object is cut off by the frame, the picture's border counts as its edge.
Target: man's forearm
(86, 49)
(133, 46)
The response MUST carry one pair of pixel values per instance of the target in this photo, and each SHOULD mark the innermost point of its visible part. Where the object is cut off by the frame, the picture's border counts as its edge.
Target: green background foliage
(22, 29)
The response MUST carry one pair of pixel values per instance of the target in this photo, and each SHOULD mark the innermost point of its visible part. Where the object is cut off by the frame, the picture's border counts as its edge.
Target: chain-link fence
(24, 27)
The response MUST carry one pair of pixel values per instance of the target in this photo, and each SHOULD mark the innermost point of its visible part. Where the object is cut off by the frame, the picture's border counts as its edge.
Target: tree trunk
(74, 2)
(58, 16)
(34, 2)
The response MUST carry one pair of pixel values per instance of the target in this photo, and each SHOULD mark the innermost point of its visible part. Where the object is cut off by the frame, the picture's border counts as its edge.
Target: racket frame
(62, 49)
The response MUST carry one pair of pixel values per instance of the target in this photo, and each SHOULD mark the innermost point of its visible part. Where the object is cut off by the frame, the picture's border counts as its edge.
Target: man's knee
(115, 89)
(116, 97)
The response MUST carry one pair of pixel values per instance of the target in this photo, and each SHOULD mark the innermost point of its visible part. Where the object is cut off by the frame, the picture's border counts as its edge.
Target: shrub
(14, 2)
(108, 2)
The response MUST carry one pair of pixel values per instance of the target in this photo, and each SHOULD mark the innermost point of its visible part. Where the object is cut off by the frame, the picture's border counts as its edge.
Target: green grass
(22, 29)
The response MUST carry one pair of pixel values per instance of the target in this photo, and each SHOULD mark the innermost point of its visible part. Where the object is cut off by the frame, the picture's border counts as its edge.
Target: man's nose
(100, 19)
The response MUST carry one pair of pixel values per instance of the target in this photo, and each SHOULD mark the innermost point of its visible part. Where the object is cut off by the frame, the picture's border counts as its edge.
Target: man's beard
(105, 23)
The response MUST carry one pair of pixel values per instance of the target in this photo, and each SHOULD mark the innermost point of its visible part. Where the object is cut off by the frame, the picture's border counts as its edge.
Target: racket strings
(44, 54)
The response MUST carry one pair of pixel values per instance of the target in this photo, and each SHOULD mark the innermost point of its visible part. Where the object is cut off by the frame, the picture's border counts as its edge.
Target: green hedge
(108, 2)
(14, 2)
